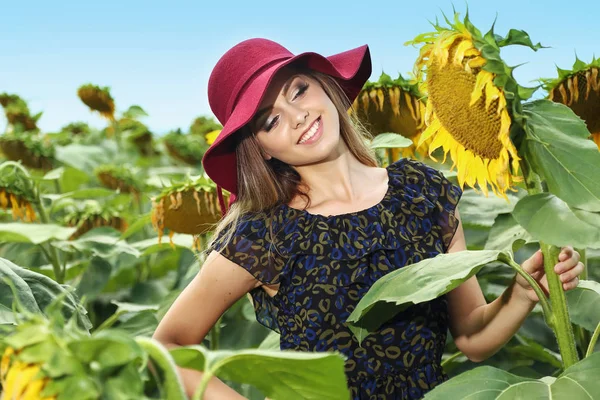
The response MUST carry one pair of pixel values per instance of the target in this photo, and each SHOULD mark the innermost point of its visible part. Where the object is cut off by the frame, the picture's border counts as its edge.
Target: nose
(300, 117)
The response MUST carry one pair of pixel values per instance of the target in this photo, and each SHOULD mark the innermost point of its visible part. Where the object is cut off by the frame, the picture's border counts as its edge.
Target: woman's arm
(480, 329)
(218, 285)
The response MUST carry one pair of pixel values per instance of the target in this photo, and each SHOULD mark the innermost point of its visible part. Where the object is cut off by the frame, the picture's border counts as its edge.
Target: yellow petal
(380, 98)
(463, 46)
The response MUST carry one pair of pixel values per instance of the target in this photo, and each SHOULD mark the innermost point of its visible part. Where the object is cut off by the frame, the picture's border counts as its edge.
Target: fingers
(572, 273)
(571, 284)
(568, 252)
(566, 264)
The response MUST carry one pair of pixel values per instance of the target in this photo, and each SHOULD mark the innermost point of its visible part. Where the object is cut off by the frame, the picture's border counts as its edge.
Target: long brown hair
(263, 185)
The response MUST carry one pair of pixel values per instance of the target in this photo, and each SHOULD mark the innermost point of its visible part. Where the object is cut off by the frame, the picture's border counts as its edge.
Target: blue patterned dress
(325, 264)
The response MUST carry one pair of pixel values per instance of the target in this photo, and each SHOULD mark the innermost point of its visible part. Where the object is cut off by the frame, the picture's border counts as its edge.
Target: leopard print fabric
(325, 265)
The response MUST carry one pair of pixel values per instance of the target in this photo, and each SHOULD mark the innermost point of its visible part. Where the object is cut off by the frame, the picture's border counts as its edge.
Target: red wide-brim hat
(239, 82)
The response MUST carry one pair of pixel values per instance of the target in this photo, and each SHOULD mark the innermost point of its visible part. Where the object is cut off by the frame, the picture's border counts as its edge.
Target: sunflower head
(92, 214)
(32, 150)
(76, 128)
(190, 207)
(16, 194)
(579, 89)
(392, 105)
(186, 148)
(98, 99)
(119, 177)
(18, 114)
(472, 100)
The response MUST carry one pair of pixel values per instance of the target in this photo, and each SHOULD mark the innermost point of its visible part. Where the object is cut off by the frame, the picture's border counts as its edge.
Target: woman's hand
(569, 268)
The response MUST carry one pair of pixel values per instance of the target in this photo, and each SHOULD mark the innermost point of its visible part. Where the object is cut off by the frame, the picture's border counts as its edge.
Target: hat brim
(351, 69)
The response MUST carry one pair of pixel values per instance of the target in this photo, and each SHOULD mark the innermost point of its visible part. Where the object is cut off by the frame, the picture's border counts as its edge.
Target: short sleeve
(445, 195)
(251, 248)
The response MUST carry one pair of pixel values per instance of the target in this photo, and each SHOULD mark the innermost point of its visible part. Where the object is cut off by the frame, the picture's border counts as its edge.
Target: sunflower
(120, 178)
(189, 208)
(32, 150)
(19, 205)
(212, 136)
(21, 380)
(204, 125)
(17, 112)
(92, 215)
(579, 89)
(186, 148)
(472, 101)
(393, 105)
(98, 99)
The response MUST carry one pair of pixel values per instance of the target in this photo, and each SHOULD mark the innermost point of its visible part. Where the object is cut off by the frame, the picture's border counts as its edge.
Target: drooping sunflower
(191, 208)
(98, 99)
(185, 147)
(92, 215)
(579, 89)
(16, 195)
(472, 102)
(393, 106)
(32, 150)
(17, 113)
(120, 177)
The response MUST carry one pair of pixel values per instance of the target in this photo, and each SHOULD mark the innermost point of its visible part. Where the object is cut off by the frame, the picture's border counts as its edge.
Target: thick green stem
(582, 335)
(593, 341)
(201, 389)
(560, 320)
(546, 307)
(215, 334)
(59, 273)
(173, 384)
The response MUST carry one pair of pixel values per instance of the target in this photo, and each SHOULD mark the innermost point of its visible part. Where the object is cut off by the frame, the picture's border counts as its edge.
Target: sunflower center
(582, 96)
(474, 127)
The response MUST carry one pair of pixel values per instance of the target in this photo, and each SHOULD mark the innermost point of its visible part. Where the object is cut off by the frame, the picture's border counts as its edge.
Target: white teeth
(311, 132)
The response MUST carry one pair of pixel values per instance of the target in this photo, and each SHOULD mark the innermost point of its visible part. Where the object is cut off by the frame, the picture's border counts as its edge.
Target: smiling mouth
(311, 132)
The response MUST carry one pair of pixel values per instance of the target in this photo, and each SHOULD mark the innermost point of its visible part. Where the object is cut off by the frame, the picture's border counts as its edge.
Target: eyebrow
(286, 87)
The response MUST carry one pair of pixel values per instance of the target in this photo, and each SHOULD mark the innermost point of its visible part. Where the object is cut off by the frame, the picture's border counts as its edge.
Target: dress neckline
(368, 210)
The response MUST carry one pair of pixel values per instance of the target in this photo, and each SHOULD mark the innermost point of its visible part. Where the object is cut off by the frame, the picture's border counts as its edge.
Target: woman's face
(297, 122)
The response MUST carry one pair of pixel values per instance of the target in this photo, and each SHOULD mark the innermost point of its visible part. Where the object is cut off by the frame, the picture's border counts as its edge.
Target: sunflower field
(101, 230)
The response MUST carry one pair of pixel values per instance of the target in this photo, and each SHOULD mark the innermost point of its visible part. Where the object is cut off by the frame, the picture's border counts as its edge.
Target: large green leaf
(558, 149)
(86, 157)
(150, 246)
(102, 242)
(507, 234)
(480, 211)
(95, 278)
(579, 381)
(549, 219)
(35, 292)
(278, 374)
(416, 283)
(390, 140)
(584, 304)
(33, 233)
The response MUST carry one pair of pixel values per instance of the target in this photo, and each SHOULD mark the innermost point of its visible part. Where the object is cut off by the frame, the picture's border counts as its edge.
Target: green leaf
(36, 292)
(558, 149)
(416, 283)
(390, 140)
(549, 219)
(299, 375)
(580, 381)
(150, 246)
(584, 304)
(135, 112)
(56, 173)
(271, 342)
(33, 233)
(102, 242)
(138, 225)
(519, 37)
(95, 278)
(85, 157)
(107, 348)
(507, 235)
(478, 210)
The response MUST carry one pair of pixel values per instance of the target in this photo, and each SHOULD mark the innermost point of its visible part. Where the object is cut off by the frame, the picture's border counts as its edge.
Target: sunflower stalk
(593, 341)
(560, 321)
(115, 125)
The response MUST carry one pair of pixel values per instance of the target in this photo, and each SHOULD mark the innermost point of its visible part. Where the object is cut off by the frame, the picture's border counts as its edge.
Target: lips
(318, 120)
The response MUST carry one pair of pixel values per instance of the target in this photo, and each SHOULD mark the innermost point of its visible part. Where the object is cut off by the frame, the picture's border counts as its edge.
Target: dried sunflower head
(32, 150)
(98, 99)
(392, 106)
(472, 101)
(186, 148)
(579, 89)
(120, 177)
(18, 114)
(191, 207)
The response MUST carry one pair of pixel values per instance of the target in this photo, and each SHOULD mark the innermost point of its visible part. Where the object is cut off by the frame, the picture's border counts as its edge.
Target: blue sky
(159, 54)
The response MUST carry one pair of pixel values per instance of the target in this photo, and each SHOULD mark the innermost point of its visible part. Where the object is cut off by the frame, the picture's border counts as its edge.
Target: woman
(313, 223)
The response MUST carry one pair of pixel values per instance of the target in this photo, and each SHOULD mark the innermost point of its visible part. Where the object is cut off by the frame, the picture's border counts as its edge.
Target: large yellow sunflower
(579, 89)
(393, 106)
(471, 97)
